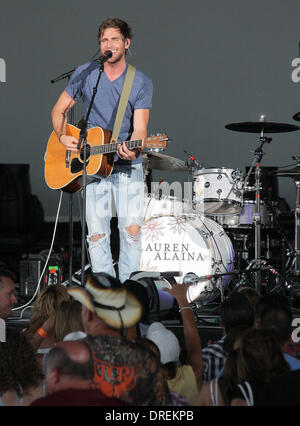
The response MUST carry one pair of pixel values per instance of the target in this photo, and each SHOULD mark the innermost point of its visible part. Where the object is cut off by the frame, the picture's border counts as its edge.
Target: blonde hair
(48, 302)
(68, 319)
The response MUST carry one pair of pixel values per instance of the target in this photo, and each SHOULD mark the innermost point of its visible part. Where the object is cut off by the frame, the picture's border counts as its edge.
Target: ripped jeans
(121, 193)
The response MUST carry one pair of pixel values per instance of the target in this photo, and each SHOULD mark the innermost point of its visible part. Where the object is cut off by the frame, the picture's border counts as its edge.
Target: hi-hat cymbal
(158, 161)
(292, 173)
(259, 126)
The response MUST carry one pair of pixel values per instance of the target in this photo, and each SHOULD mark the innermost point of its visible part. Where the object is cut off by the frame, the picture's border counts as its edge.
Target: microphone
(105, 57)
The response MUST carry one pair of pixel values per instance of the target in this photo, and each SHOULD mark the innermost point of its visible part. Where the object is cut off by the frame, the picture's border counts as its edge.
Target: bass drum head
(189, 244)
(155, 206)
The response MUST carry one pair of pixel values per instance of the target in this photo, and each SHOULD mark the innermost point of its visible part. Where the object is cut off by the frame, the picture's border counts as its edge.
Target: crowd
(93, 345)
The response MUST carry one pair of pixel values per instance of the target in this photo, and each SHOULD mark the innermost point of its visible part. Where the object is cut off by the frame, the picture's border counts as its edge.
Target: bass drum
(188, 244)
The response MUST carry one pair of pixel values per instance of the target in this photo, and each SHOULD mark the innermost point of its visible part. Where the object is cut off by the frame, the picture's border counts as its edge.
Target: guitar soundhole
(77, 164)
(88, 151)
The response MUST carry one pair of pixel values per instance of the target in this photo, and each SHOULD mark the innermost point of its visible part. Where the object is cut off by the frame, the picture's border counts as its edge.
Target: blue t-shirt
(293, 362)
(106, 102)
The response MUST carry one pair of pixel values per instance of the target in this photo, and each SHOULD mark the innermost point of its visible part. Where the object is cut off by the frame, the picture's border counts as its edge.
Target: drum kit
(205, 238)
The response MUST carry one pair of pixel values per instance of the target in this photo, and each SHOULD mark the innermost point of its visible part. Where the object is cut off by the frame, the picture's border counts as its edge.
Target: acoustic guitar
(64, 168)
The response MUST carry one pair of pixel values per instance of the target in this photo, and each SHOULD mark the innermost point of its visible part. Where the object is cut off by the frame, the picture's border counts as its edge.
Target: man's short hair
(58, 358)
(6, 273)
(124, 28)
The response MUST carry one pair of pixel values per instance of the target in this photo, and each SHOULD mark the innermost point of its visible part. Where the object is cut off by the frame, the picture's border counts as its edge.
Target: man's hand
(178, 291)
(69, 142)
(127, 154)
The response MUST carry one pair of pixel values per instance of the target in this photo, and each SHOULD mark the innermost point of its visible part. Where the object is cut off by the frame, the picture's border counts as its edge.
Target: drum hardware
(192, 163)
(246, 278)
(262, 127)
(269, 183)
(295, 175)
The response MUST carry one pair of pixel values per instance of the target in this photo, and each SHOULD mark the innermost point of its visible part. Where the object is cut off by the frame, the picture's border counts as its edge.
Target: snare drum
(190, 243)
(217, 191)
(247, 217)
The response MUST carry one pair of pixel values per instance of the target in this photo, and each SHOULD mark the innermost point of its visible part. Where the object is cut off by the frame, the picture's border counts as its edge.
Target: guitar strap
(123, 102)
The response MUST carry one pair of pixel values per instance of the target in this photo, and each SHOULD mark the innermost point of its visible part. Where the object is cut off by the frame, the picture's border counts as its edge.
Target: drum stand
(296, 271)
(295, 175)
(258, 154)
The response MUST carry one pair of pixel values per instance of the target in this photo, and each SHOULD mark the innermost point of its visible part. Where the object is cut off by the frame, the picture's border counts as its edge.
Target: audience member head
(7, 293)
(166, 341)
(67, 319)
(259, 355)
(47, 303)
(107, 307)
(128, 371)
(252, 295)
(279, 319)
(19, 368)
(236, 310)
(68, 366)
(271, 300)
(253, 355)
(168, 346)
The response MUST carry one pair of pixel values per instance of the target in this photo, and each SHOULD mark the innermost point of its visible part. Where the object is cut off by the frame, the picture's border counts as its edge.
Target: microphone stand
(82, 144)
(72, 121)
(70, 260)
(62, 76)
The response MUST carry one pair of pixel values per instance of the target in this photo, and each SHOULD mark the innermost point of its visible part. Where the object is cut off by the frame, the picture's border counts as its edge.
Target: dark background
(212, 62)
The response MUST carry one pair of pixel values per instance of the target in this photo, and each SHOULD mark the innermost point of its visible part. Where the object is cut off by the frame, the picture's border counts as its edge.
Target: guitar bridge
(67, 158)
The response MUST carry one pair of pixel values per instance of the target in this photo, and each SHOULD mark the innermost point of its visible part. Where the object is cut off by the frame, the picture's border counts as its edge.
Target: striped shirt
(214, 358)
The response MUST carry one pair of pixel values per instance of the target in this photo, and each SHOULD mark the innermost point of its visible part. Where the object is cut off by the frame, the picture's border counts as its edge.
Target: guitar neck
(112, 147)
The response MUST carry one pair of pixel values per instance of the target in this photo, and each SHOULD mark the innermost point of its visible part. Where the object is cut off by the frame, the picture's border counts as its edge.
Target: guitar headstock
(158, 141)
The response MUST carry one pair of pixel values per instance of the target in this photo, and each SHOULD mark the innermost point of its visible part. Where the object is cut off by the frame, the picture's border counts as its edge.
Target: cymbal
(297, 116)
(259, 126)
(160, 161)
(292, 173)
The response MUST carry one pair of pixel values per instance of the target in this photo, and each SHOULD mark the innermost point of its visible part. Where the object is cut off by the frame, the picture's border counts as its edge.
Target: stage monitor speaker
(30, 272)
(31, 268)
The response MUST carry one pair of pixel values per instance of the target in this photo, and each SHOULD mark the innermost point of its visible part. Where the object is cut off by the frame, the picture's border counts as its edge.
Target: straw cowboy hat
(109, 300)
